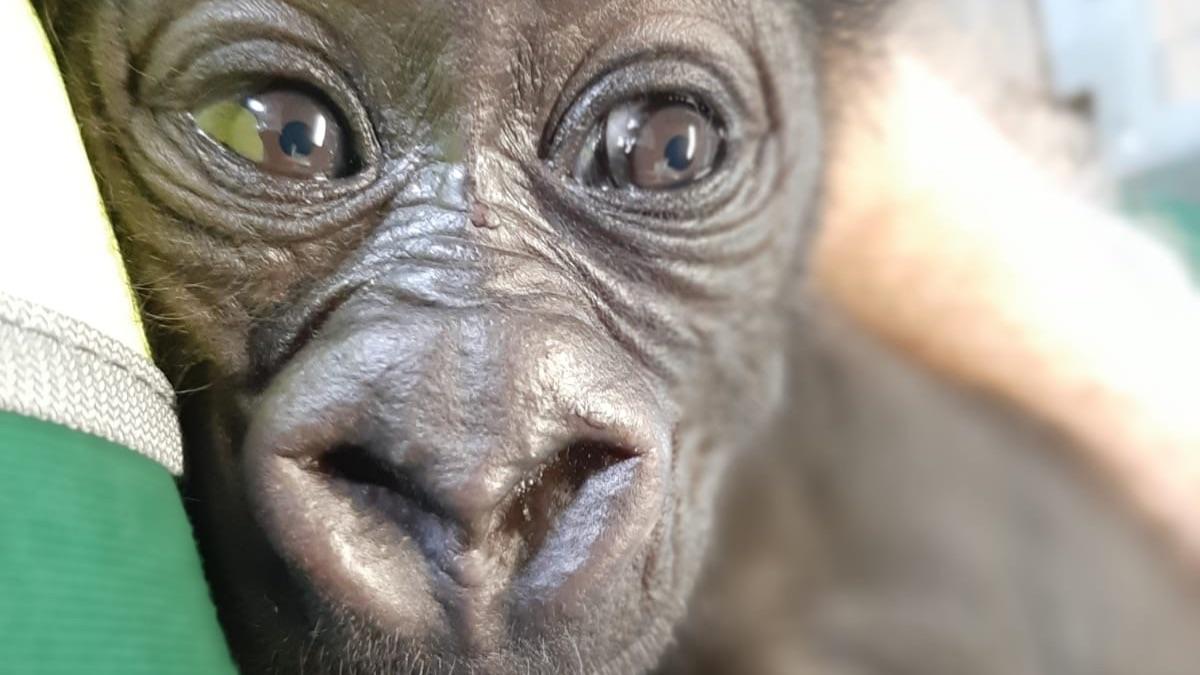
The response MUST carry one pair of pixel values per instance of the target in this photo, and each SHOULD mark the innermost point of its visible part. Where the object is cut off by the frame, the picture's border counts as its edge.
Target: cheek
(737, 386)
(740, 375)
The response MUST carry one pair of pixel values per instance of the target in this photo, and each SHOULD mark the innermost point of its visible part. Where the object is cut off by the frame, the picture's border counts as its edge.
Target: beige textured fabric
(55, 368)
(72, 349)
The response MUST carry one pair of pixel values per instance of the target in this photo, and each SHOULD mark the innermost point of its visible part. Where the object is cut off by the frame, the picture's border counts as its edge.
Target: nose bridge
(477, 386)
(498, 365)
(478, 307)
(486, 399)
(478, 413)
(443, 218)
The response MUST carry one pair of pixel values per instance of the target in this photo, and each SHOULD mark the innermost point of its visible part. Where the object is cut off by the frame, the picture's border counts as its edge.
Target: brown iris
(285, 132)
(655, 143)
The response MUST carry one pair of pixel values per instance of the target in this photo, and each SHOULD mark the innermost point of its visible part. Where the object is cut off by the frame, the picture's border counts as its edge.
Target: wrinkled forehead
(473, 48)
(471, 26)
(465, 70)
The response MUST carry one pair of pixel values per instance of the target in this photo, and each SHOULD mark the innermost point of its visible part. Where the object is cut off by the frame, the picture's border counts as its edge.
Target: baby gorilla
(473, 303)
(478, 297)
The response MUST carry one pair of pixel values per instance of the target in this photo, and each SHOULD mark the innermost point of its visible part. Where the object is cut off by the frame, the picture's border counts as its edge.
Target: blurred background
(1127, 72)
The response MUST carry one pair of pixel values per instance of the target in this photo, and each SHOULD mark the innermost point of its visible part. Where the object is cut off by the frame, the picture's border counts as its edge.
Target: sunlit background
(1129, 70)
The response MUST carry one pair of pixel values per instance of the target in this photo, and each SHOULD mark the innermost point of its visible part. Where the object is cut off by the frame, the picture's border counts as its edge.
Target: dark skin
(463, 394)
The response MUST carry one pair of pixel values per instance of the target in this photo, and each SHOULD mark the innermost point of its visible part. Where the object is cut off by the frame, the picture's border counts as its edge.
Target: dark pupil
(296, 139)
(677, 153)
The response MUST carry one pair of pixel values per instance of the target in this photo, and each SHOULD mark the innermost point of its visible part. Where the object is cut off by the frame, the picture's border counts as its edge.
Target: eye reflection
(656, 143)
(284, 131)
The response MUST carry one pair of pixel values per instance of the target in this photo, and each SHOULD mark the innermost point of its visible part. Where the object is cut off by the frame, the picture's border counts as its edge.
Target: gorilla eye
(284, 131)
(653, 143)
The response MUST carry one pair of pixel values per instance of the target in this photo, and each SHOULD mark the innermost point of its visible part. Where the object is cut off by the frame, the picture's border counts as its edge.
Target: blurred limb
(943, 240)
(994, 395)
(905, 524)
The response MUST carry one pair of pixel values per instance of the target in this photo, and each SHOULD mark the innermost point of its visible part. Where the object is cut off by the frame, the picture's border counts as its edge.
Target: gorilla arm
(992, 428)
(945, 242)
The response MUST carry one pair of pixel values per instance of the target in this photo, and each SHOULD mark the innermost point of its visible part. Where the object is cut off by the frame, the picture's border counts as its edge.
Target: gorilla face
(475, 299)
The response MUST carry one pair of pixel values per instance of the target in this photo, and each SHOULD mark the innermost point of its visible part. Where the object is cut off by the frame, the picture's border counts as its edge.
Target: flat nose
(512, 456)
(485, 524)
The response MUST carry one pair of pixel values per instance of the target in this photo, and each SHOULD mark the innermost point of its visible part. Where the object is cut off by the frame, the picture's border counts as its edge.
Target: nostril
(357, 468)
(541, 497)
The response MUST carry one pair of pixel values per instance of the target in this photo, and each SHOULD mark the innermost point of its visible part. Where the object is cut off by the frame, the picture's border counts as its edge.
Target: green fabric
(98, 569)
(1184, 216)
(1167, 199)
